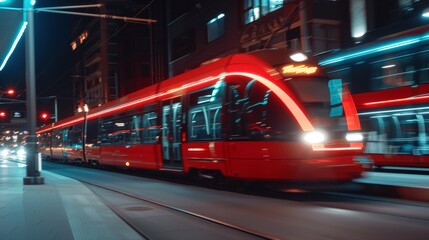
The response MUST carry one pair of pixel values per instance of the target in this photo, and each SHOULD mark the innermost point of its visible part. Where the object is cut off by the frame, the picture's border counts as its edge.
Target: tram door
(171, 133)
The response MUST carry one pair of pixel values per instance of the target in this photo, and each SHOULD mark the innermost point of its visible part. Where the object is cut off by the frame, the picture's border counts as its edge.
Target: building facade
(202, 30)
(113, 57)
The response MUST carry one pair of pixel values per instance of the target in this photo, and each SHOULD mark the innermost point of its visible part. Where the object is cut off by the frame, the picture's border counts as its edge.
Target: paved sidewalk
(62, 208)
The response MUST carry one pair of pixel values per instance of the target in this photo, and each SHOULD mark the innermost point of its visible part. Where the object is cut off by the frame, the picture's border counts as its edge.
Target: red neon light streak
(154, 96)
(80, 119)
(297, 112)
(396, 100)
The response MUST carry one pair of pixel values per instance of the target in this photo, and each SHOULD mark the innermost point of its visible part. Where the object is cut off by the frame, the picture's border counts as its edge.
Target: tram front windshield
(322, 100)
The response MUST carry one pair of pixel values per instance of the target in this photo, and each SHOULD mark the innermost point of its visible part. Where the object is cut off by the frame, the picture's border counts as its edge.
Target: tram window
(115, 132)
(57, 138)
(205, 113)
(44, 140)
(393, 72)
(150, 127)
(402, 133)
(91, 133)
(424, 134)
(105, 129)
(75, 138)
(235, 106)
(424, 72)
(396, 134)
(136, 130)
(121, 132)
(256, 113)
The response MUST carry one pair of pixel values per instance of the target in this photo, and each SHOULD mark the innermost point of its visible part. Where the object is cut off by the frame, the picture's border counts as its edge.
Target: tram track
(252, 233)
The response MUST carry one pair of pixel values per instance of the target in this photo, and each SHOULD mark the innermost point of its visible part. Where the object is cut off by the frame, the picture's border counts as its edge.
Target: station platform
(61, 208)
(397, 182)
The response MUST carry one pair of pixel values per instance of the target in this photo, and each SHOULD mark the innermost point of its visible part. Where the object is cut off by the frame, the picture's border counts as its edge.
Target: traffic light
(44, 116)
(4, 117)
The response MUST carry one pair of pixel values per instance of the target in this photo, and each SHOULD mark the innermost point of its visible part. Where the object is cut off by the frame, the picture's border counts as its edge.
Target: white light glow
(354, 137)
(389, 66)
(298, 57)
(314, 137)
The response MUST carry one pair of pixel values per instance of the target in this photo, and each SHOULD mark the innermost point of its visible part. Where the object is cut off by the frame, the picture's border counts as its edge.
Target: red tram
(389, 80)
(260, 116)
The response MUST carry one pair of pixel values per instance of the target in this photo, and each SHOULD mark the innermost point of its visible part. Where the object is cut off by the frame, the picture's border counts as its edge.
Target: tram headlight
(315, 136)
(354, 137)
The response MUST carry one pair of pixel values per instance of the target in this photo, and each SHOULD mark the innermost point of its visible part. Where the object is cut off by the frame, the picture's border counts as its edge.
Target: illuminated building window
(216, 28)
(79, 41)
(254, 9)
(73, 45)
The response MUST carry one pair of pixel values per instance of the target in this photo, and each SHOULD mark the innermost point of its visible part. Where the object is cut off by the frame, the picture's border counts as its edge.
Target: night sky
(53, 34)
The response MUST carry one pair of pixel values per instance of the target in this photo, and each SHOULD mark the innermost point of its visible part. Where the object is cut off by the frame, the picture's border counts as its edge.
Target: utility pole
(33, 163)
